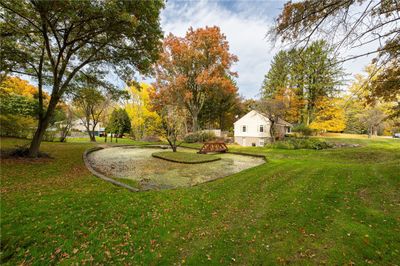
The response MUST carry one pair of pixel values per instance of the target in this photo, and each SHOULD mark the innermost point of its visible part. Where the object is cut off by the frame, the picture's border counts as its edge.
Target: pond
(137, 164)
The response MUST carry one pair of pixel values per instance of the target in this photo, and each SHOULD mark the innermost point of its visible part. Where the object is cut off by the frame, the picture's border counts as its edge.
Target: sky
(245, 24)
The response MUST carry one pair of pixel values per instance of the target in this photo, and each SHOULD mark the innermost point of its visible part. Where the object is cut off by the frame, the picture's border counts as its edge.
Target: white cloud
(245, 24)
(245, 31)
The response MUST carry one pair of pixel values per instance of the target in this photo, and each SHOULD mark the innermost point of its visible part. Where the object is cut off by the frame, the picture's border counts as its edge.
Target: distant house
(253, 129)
(78, 125)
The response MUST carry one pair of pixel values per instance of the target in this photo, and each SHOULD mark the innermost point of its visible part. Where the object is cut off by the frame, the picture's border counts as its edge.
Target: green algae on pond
(137, 164)
(185, 157)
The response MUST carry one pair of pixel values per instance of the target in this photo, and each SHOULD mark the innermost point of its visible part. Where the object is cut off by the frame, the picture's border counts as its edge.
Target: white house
(79, 126)
(253, 129)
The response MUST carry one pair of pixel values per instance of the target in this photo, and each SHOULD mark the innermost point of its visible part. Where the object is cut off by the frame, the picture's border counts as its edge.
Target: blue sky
(245, 24)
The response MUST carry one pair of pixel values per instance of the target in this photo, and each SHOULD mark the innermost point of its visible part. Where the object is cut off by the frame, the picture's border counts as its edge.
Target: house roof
(280, 121)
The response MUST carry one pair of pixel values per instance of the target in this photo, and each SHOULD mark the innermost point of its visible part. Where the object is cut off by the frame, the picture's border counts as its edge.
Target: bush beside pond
(300, 143)
(199, 137)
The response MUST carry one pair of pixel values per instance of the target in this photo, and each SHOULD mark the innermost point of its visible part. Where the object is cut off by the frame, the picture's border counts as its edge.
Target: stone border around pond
(132, 189)
(100, 175)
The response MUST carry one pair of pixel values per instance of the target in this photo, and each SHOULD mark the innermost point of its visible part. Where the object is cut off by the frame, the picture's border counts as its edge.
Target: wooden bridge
(213, 146)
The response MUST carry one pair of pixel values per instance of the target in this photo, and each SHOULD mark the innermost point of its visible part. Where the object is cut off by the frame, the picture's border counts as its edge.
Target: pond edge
(100, 175)
(132, 189)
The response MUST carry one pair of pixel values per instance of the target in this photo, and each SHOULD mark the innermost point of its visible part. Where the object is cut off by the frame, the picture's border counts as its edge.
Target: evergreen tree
(119, 122)
(309, 74)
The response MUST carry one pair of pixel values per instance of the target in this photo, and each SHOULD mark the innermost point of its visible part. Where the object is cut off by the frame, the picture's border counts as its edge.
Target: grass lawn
(338, 206)
(100, 140)
(186, 157)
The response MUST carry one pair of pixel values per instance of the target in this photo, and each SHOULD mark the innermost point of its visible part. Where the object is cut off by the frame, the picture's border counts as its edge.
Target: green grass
(185, 157)
(100, 140)
(335, 206)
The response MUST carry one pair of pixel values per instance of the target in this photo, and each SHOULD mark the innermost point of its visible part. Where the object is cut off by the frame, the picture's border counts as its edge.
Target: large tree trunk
(64, 133)
(195, 126)
(43, 123)
(37, 139)
(92, 137)
(272, 131)
(172, 143)
(90, 133)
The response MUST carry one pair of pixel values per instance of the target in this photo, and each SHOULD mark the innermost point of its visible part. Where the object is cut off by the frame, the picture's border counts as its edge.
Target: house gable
(251, 124)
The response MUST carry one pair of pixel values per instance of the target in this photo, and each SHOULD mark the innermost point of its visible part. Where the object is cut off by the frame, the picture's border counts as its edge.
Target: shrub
(16, 126)
(49, 135)
(300, 143)
(303, 129)
(199, 136)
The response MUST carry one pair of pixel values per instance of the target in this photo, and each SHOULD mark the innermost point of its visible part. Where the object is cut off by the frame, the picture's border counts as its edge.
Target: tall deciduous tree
(350, 23)
(89, 104)
(52, 41)
(365, 112)
(145, 121)
(330, 115)
(193, 66)
(386, 86)
(173, 124)
(274, 110)
(220, 108)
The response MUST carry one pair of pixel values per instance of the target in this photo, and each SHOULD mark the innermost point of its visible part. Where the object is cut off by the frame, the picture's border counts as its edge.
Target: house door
(244, 142)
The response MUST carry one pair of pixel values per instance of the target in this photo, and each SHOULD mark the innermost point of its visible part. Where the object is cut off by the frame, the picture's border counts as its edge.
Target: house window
(244, 129)
(261, 128)
(288, 130)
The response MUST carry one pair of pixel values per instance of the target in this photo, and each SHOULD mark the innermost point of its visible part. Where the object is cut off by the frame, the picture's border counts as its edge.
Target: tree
(330, 115)
(293, 105)
(350, 23)
(278, 77)
(274, 110)
(65, 125)
(119, 123)
(301, 77)
(386, 86)
(220, 108)
(173, 123)
(372, 119)
(192, 67)
(15, 85)
(89, 104)
(144, 120)
(52, 41)
(363, 106)
(18, 107)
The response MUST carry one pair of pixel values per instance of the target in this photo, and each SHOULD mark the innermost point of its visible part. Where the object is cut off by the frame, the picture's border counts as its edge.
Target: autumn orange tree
(191, 68)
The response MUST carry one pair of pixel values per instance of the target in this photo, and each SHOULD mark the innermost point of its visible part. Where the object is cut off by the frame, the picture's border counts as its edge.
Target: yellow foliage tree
(293, 104)
(330, 115)
(144, 121)
(18, 86)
